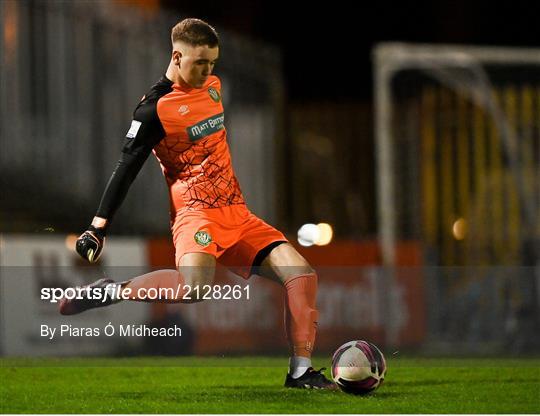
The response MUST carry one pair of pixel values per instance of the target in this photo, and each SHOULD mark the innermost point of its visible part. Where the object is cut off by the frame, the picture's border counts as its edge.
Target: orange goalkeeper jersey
(194, 153)
(186, 132)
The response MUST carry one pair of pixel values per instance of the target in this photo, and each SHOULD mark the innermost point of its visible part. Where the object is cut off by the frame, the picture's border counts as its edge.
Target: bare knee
(284, 263)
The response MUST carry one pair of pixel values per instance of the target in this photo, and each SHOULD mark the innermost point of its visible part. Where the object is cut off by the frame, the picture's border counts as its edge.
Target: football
(358, 367)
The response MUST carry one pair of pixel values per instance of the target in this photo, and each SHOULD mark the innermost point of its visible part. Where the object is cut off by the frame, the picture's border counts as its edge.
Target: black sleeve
(124, 174)
(145, 132)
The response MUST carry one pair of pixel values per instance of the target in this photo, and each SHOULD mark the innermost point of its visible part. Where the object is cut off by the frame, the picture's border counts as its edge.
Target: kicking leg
(196, 269)
(169, 286)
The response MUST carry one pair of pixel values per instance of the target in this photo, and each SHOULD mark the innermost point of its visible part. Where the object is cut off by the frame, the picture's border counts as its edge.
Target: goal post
(430, 103)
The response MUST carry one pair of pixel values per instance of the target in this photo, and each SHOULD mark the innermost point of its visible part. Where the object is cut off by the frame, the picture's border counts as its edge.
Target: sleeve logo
(132, 132)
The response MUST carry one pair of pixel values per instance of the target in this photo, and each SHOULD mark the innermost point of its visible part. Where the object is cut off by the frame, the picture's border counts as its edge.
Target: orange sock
(159, 286)
(301, 314)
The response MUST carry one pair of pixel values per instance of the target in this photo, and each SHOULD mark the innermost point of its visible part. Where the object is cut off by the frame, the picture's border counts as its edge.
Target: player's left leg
(285, 265)
(259, 248)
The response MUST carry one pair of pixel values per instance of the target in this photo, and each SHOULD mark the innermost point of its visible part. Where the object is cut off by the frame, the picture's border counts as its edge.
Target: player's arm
(145, 132)
(90, 243)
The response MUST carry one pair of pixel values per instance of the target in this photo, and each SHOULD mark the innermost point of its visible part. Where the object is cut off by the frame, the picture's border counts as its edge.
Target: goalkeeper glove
(90, 243)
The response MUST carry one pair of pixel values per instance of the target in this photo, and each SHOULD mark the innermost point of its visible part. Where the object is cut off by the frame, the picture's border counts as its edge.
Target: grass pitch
(254, 385)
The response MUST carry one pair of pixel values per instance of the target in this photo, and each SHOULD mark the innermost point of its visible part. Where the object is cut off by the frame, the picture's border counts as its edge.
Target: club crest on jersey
(203, 238)
(214, 94)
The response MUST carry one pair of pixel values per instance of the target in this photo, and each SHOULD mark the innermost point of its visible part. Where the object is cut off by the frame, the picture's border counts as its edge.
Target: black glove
(90, 243)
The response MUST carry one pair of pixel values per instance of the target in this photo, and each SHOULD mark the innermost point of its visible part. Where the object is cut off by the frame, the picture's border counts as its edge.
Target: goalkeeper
(180, 120)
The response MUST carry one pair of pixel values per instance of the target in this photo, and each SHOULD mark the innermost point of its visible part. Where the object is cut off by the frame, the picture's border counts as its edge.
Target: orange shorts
(232, 234)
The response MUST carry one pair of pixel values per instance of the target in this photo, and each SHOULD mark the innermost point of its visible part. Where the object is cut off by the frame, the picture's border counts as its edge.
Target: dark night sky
(328, 44)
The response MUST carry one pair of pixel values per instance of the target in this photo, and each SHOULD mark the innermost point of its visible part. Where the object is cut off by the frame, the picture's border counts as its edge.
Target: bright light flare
(459, 229)
(315, 234)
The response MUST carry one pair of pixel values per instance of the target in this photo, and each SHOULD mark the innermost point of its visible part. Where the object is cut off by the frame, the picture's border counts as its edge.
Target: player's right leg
(286, 266)
(170, 286)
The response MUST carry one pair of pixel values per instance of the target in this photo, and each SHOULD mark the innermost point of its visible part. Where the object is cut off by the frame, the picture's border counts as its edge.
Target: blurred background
(412, 132)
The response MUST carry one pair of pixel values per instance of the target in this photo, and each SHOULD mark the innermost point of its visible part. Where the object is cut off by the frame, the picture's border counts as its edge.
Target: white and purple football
(358, 367)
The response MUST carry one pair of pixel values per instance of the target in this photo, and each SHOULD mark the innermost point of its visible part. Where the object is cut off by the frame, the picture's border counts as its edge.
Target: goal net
(458, 170)
(457, 138)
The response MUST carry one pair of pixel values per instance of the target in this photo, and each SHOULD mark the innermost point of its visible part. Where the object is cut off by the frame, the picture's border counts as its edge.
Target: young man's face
(195, 63)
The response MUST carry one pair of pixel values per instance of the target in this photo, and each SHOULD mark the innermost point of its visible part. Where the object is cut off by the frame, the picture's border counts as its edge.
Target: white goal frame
(391, 58)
